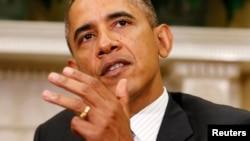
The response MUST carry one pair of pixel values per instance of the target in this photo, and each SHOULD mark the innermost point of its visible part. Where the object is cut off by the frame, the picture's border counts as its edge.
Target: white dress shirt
(146, 123)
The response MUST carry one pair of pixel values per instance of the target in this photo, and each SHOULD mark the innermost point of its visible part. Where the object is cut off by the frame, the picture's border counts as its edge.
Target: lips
(113, 66)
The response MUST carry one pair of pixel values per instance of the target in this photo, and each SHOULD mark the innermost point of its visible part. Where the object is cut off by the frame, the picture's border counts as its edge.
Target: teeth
(116, 66)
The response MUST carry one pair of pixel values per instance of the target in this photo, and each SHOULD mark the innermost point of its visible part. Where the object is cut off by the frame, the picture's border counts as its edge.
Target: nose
(107, 43)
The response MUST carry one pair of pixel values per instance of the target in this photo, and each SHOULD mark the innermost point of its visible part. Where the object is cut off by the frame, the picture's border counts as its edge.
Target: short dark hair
(145, 5)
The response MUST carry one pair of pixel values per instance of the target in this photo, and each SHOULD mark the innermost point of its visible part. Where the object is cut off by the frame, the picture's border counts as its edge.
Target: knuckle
(112, 112)
(94, 83)
(63, 80)
(77, 105)
(85, 89)
(100, 132)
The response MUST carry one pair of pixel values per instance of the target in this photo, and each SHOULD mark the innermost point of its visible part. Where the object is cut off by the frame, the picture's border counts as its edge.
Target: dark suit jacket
(186, 119)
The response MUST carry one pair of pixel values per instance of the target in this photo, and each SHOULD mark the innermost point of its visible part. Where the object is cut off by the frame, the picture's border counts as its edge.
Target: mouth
(114, 67)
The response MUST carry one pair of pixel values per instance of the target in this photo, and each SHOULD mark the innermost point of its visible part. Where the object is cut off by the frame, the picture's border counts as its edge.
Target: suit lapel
(175, 125)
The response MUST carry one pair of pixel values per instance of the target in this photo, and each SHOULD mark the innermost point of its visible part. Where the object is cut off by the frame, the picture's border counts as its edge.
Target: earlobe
(165, 39)
(72, 63)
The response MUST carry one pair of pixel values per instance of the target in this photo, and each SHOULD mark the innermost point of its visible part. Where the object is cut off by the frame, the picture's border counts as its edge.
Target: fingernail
(53, 76)
(68, 70)
(48, 95)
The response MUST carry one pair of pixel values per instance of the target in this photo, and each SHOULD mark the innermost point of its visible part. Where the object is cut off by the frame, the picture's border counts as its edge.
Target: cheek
(144, 39)
(146, 54)
(85, 62)
(142, 46)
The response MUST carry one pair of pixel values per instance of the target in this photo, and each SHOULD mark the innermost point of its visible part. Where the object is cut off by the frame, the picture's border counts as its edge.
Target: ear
(72, 63)
(165, 38)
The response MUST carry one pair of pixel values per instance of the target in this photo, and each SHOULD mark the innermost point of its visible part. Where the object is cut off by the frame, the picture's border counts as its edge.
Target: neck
(145, 97)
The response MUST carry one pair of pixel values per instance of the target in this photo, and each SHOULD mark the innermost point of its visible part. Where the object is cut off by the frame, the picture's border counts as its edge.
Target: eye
(121, 23)
(87, 37)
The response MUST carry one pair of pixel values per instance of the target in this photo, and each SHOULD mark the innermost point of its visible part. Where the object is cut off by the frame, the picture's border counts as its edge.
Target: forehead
(90, 9)
(102, 3)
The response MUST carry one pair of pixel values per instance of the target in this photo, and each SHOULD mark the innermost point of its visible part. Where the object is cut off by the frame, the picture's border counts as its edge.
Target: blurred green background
(219, 13)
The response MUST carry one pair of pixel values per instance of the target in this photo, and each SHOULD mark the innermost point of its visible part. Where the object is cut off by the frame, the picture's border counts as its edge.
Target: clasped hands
(107, 118)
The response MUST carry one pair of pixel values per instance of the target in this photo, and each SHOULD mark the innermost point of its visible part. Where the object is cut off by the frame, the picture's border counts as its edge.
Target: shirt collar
(146, 123)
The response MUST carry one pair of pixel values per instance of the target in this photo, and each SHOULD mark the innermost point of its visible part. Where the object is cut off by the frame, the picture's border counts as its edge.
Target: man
(116, 45)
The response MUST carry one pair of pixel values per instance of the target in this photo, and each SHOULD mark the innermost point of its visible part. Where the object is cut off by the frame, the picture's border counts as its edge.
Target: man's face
(111, 40)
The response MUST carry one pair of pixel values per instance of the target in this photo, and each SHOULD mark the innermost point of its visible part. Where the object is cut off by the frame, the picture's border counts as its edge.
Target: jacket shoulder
(64, 116)
(209, 112)
(57, 128)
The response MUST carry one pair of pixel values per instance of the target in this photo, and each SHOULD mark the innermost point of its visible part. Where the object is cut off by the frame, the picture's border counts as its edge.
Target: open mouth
(116, 66)
(113, 66)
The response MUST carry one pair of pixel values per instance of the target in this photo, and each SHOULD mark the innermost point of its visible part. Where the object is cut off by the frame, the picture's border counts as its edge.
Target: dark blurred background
(212, 13)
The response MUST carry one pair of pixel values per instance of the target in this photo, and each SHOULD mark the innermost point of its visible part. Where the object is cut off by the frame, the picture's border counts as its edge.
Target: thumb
(122, 95)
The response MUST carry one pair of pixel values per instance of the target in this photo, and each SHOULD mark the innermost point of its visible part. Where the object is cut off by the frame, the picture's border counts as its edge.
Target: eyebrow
(120, 14)
(81, 29)
(109, 17)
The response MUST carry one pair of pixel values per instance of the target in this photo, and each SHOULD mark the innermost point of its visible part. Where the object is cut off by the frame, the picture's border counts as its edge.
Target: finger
(76, 87)
(82, 127)
(76, 105)
(122, 95)
(88, 80)
(73, 104)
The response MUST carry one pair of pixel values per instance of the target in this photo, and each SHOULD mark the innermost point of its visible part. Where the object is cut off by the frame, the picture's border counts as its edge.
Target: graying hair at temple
(145, 5)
